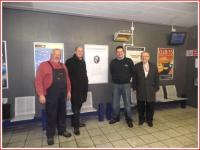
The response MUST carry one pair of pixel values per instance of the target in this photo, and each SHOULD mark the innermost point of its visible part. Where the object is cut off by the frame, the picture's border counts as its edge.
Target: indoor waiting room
(99, 75)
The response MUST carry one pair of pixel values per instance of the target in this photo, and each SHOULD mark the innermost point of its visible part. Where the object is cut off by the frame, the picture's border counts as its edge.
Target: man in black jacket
(146, 84)
(79, 85)
(121, 69)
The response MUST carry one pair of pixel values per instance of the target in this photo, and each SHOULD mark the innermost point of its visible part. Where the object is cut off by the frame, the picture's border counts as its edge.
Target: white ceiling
(167, 13)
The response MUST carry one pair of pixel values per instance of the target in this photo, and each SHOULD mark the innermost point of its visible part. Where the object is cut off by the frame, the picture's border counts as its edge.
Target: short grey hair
(78, 47)
(145, 52)
(55, 49)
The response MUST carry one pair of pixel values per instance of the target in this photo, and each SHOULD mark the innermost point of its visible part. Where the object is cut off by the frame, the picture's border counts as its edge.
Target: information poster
(192, 52)
(96, 57)
(42, 52)
(4, 66)
(134, 53)
(165, 63)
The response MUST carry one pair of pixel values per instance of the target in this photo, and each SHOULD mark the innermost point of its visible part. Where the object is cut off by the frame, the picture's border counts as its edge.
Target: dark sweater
(121, 70)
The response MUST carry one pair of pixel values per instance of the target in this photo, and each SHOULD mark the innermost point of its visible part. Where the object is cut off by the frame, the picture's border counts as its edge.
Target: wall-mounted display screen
(177, 38)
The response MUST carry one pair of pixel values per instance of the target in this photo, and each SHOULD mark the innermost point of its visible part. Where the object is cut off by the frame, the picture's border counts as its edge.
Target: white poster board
(96, 58)
(134, 53)
(4, 66)
(42, 52)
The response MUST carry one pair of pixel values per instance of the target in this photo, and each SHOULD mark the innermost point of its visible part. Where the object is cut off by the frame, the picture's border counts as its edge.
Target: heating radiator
(24, 108)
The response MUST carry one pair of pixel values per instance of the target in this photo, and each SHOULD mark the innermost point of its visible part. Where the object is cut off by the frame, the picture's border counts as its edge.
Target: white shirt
(146, 69)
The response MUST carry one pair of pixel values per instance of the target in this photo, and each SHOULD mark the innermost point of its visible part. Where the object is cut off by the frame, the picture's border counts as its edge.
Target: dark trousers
(75, 119)
(56, 112)
(145, 110)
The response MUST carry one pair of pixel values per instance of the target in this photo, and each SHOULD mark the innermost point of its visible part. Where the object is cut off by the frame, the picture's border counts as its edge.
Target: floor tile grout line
(90, 136)
(169, 127)
(109, 140)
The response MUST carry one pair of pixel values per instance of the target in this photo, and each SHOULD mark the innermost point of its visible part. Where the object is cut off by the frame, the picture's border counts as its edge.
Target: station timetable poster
(4, 66)
(165, 63)
(42, 52)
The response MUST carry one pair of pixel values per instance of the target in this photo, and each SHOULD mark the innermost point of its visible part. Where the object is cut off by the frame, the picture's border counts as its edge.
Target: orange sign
(165, 63)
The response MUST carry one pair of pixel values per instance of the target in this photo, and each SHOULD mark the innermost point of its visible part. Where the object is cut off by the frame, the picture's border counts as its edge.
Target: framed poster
(42, 52)
(4, 66)
(165, 63)
(134, 53)
(96, 58)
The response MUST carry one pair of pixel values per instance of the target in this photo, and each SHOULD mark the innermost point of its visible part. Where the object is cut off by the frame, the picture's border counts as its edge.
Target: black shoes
(80, 125)
(112, 121)
(50, 141)
(150, 124)
(141, 122)
(76, 131)
(65, 134)
(130, 124)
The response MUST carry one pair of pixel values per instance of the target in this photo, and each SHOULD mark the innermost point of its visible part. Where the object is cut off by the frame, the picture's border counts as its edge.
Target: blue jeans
(123, 90)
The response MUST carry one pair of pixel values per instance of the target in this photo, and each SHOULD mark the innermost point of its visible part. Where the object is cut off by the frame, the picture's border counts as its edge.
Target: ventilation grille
(24, 108)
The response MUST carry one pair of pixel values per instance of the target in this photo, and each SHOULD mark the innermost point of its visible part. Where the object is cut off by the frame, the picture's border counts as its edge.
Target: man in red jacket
(53, 88)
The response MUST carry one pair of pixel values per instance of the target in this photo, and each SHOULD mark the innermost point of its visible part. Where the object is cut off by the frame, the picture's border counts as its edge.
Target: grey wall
(22, 28)
(191, 90)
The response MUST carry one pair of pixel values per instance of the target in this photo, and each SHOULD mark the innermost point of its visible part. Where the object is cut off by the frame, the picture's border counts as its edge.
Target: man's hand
(42, 99)
(68, 95)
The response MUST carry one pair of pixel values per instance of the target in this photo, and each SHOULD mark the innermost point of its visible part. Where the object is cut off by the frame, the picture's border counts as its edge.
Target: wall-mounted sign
(192, 52)
(4, 66)
(134, 53)
(42, 52)
(196, 63)
(96, 58)
(165, 63)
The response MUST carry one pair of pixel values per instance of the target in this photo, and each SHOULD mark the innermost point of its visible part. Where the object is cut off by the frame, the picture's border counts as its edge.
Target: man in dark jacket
(121, 69)
(146, 84)
(79, 85)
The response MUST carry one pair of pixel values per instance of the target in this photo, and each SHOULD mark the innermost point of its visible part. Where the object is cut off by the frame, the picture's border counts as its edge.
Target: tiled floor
(173, 127)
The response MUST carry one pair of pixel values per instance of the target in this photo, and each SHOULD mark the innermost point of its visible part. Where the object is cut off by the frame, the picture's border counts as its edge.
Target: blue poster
(42, 52)
(4, 66)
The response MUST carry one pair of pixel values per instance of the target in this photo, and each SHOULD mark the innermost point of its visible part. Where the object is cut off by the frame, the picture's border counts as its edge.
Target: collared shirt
(146, 69)
(44, 77)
